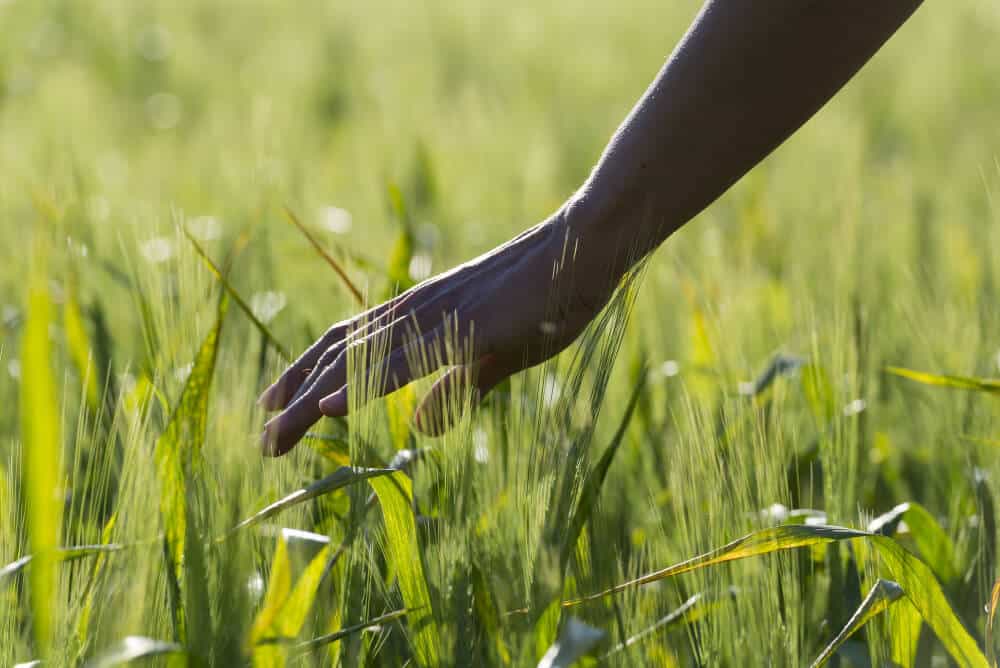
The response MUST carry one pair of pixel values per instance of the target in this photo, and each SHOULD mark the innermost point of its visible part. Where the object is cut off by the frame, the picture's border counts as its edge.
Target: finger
(284, 390)
(444, 404)
(281, 391)
(283, 431)
(400, 368)
(399, 333)
(326, 359)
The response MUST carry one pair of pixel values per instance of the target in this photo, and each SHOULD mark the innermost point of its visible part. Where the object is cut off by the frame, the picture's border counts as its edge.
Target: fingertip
(269, 440)
(283, 431)
(264, 400)
(334, 405)
(271, 398)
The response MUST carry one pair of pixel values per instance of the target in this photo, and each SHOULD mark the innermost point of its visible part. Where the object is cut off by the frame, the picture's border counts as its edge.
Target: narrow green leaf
(595, 479)
(79, 348)
(922, 589)
(934, 544)
(487, 612)
(299, 603)
(819, 394)
(766, 541)
(87, 607)
(400, 406)
(178, 456)
(693, 609)
(991, 618)
(990, 386)
(906, 624)
(991, 442)
(62, 554)
(339, 479)
(345, 279)
(401, 254)
(134, 648)
(328, 638)
(878, 600)
(285, 609)
(395, 494)
(41, 453)
(240, 302)
(547, 628)
(912, 574)
(279, 586)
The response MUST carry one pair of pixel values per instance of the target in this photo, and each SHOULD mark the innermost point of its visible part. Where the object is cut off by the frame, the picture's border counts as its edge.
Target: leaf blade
(882, 595)
(987, 385)
(395, 495)
(766, 541)
(340, 478)
(41, 451)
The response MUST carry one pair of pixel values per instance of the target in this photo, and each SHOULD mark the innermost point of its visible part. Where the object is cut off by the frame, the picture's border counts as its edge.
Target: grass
(818, 350)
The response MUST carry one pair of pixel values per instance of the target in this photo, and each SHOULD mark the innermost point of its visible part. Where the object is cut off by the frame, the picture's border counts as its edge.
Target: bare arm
(746, 75)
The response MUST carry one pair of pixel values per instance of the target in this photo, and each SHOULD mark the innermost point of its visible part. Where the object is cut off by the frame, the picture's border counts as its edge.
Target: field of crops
(778, 446)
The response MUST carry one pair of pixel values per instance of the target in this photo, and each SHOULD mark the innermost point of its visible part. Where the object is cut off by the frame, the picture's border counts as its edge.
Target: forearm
(746, 76)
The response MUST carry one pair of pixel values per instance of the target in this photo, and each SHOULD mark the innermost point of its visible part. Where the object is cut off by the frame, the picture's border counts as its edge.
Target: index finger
(282, 390)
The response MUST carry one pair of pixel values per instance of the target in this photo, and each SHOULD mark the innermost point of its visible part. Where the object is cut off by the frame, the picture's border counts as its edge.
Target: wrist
(599, 236)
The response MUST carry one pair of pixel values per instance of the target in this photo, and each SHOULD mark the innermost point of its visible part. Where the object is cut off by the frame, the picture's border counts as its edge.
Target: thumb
(459, 387)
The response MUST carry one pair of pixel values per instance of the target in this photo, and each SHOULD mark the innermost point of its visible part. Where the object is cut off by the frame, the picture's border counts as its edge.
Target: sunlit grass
(769, 373)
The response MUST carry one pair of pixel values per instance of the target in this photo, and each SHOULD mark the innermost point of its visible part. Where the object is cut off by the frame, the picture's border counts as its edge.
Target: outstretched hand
(505, 311)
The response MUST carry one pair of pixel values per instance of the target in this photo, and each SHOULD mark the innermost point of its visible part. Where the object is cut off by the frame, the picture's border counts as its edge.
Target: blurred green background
(870, 239)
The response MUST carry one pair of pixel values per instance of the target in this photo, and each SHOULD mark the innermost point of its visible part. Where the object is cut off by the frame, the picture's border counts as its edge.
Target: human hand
(503, 312)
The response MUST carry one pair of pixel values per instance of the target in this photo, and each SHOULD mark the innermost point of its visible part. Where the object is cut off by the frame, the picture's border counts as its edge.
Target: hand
(503, 312)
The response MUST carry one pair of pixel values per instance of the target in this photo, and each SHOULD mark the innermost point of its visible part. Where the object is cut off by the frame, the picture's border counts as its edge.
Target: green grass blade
(79, 348)
(922, 589)
(398, 266)
(878, 600)
(135, 648)
(339, 479)
(766, 541)
(819, 394)
(178, 456)
(41, 452)
(991, 442)
(284, 611)
(395, 494)
(279, 586)
(400, 406)
(906, 625)
(60, 555)
(86, 609)
(595, 480)
(240, 302)
(323, 640)
(689, 612)
(991, 618)
(990, 386)
(912, 574)
(299, 603)
(345, 279)
(934, 544)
